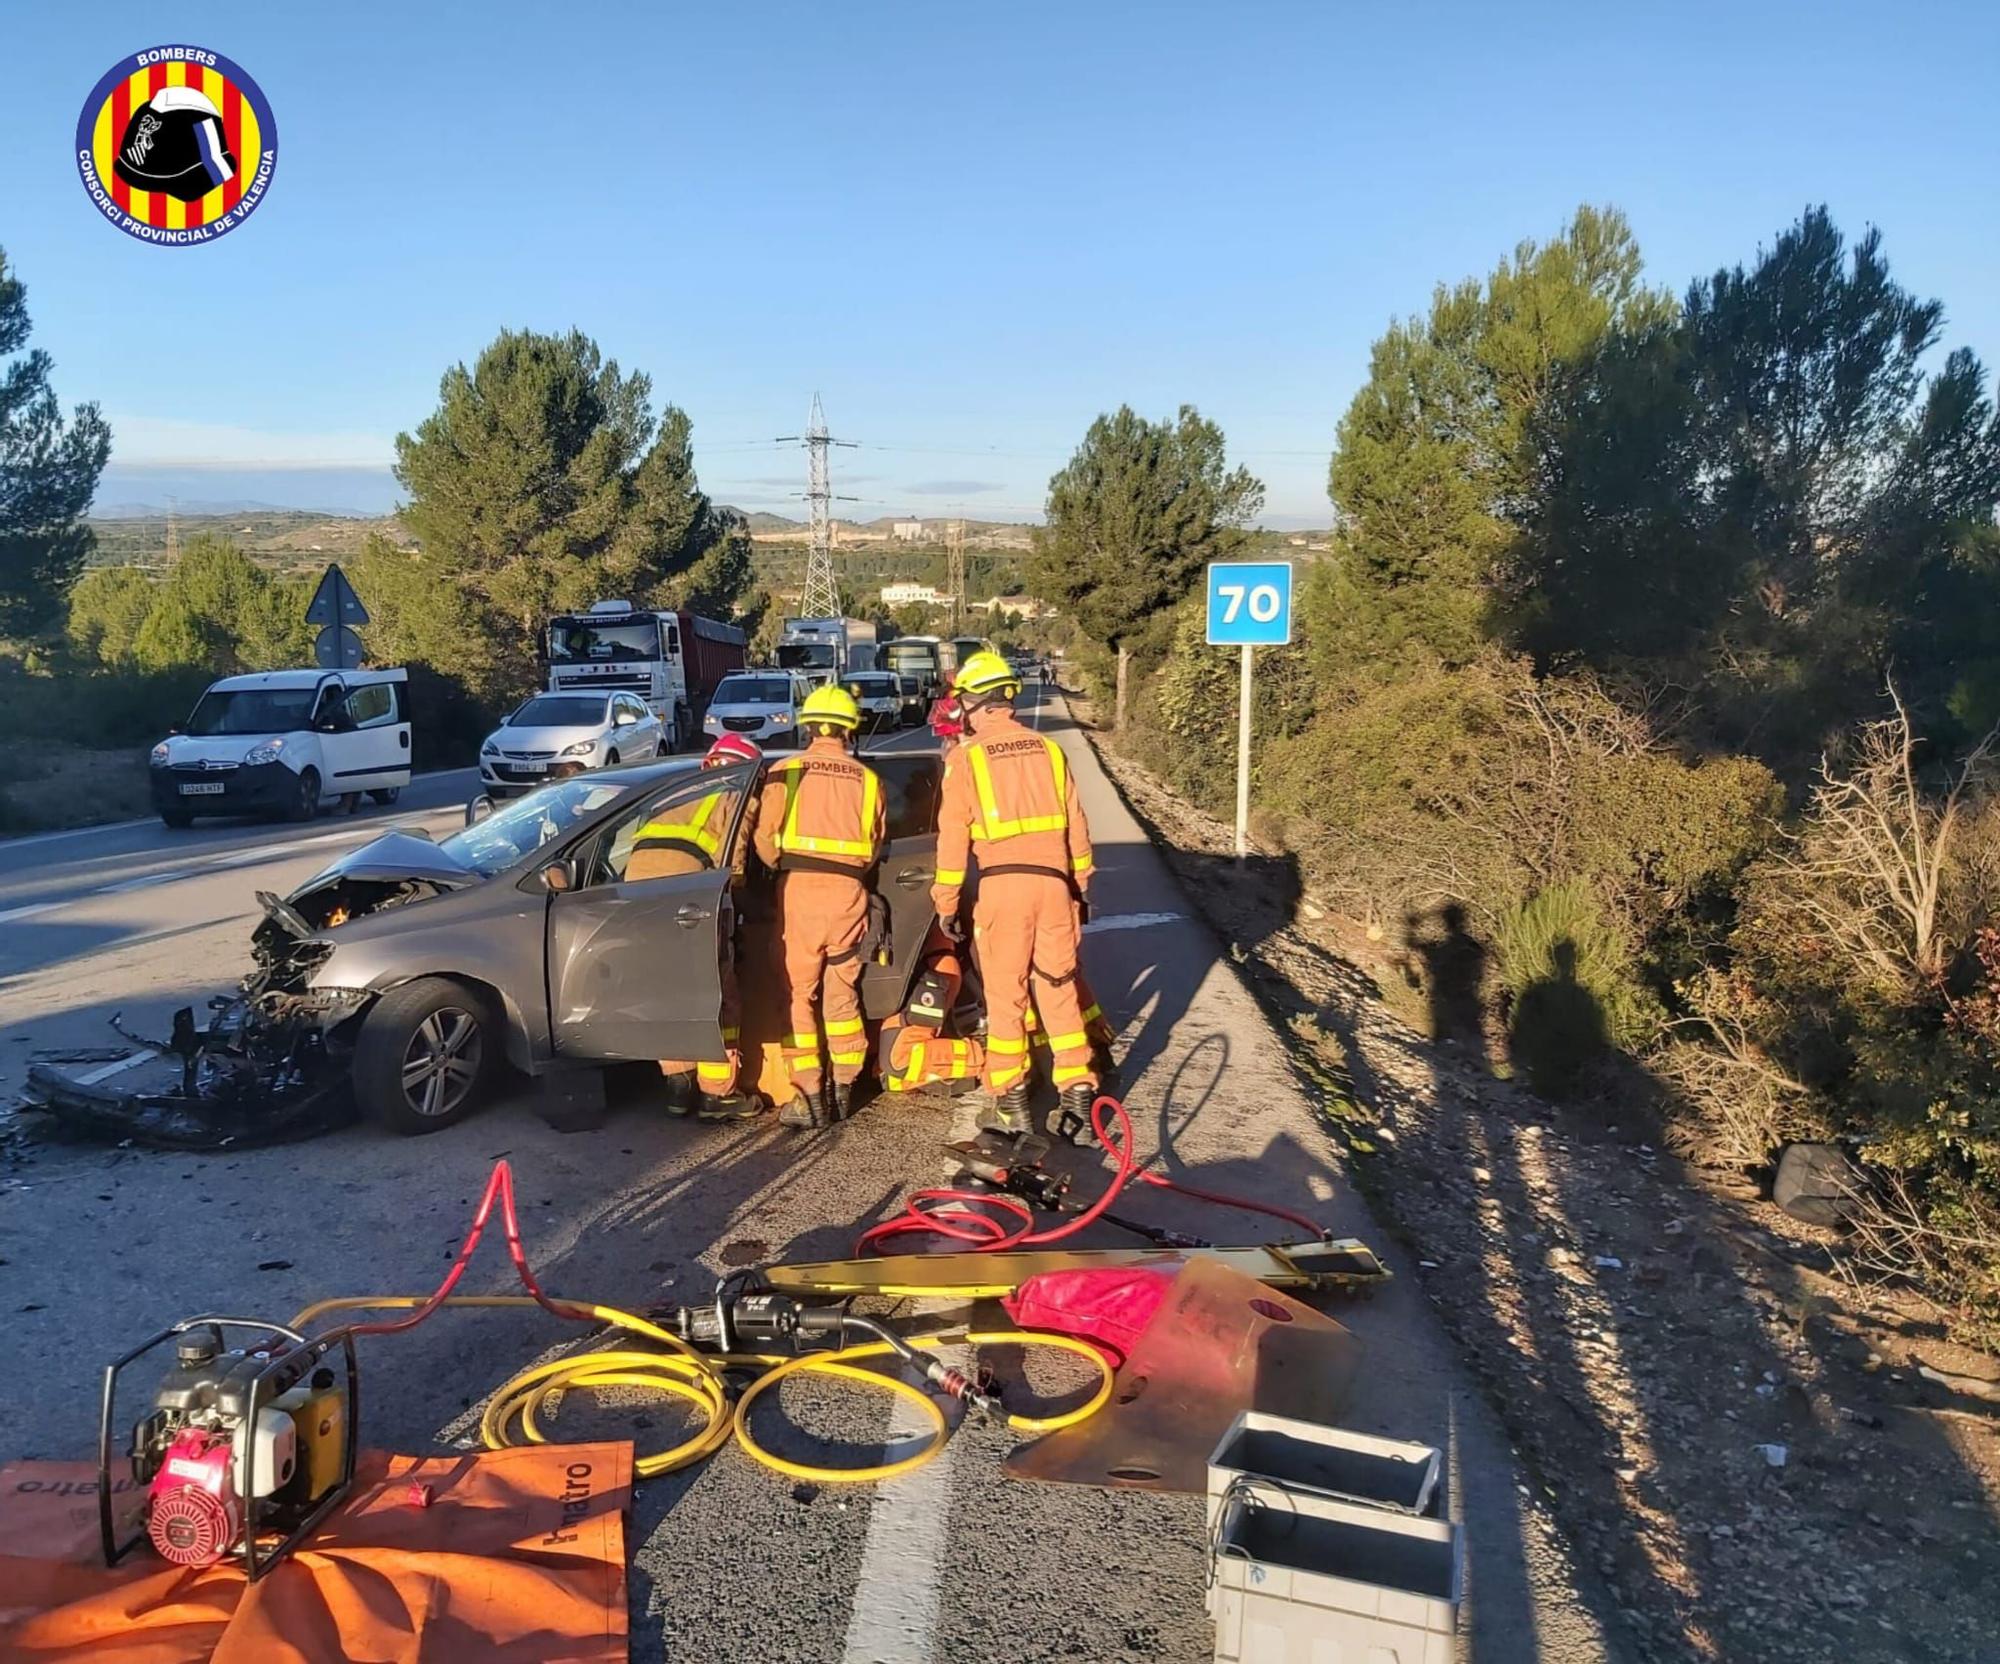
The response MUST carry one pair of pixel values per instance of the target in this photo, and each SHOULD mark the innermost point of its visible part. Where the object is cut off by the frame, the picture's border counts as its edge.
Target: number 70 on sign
(1250, 603)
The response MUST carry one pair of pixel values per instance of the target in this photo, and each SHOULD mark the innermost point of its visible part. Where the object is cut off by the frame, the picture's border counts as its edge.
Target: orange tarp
(519, 1558)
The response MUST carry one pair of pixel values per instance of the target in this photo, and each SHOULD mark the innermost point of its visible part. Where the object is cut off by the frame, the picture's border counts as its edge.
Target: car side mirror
(558, 878)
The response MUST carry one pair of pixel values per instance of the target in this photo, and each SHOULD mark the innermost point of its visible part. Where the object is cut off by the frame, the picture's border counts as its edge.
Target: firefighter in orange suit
(820, 827)
(913, 1051)
(947, 721)
(1009, 801)
(689, 839)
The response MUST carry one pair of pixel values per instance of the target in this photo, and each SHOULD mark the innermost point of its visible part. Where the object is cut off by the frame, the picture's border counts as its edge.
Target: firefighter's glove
(953, 927)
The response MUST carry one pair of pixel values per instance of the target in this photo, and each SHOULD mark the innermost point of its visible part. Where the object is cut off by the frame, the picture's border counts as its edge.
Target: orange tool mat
(518, 1558)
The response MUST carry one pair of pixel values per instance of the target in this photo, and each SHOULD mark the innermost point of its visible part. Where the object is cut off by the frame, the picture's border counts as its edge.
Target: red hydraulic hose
(953, 1213)
(499, 1188)
(1244, 1202)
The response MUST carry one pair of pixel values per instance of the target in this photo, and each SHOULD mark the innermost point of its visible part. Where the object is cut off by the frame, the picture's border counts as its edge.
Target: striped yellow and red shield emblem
(176, 145)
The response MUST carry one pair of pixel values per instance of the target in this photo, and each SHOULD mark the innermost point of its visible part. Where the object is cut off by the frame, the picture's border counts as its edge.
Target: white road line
(106, 1071)
(1131, 921)
(146, 882)
(229, 861)
(73, 832)
(896, 1595)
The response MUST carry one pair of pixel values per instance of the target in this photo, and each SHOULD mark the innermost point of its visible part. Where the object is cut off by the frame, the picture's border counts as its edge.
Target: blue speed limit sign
(1250, 604)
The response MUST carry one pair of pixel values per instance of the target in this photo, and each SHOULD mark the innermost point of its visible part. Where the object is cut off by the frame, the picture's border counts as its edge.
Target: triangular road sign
(335, 602)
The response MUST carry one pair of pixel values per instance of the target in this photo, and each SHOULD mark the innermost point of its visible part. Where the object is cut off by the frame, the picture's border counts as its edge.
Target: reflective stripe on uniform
(1007, 1048)
(791, 841)
(694, 830)
(1067, 1076)
(990, 825)
(803, 1042)
(950, 877)
(1068, 1042)
(842, 1025)
(839, 1058)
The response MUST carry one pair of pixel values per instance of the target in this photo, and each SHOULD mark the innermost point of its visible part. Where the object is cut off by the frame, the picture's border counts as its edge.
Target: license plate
(208, 788)
(531, 768)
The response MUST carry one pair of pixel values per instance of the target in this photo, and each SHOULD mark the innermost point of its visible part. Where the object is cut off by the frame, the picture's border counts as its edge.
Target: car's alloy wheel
(441, 1064)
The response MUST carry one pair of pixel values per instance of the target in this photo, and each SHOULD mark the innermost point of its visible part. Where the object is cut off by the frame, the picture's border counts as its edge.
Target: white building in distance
(908, 595)
(907, 531)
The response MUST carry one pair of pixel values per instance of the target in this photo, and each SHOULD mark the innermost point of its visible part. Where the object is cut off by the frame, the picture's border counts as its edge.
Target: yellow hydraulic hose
(697, 1378)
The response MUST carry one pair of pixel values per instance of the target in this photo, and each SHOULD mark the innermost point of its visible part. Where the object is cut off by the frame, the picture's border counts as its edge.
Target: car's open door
(632, 962)
(910, 785)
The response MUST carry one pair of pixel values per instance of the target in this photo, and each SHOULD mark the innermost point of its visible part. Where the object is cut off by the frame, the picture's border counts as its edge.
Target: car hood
(545, 739)
(190, 751)
(392, 858)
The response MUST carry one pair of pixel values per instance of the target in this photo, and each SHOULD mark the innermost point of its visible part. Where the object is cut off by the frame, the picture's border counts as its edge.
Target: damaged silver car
(409, 976)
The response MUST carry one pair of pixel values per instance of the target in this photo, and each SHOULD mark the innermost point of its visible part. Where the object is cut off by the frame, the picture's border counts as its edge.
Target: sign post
(1249, 606)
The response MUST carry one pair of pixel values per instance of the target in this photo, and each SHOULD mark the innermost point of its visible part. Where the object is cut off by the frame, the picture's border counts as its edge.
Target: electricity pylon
(821, 596)
(955, 577)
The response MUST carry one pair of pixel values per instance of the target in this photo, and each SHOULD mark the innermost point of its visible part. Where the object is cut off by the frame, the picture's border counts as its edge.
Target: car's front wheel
(426, 1055)
(305, 796)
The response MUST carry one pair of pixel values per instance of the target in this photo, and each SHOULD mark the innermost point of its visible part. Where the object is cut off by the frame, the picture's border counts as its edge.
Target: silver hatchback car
(521, 940)
(554, 735)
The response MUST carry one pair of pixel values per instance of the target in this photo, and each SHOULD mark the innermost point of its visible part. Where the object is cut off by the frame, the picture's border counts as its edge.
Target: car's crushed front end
(270, 1063)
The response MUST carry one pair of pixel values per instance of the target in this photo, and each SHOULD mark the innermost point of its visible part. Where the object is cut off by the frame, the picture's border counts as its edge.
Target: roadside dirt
(46, 785)
(1736, 1439)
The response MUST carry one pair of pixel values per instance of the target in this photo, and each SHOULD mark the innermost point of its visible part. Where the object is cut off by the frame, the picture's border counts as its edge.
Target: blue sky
(971, 229)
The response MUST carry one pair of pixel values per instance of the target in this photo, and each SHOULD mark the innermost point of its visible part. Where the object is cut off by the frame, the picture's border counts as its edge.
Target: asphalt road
(99, 1247)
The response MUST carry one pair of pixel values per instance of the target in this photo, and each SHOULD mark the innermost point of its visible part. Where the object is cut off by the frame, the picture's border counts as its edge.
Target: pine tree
(49, 470)
(1133, 519)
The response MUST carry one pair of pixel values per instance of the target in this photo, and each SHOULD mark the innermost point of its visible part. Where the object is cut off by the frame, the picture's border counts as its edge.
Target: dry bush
(1879, 871)
(1942, 1242)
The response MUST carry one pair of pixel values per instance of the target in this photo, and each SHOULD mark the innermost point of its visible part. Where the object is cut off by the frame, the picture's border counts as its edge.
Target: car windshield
(559, 710)
(592, 641)
(806, 655)
(871, 687)
(754, 690)
(252, 711)
(516, 830)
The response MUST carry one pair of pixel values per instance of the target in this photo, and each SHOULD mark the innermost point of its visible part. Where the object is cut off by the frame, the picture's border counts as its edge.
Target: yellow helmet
(986, 673)
(833, 706)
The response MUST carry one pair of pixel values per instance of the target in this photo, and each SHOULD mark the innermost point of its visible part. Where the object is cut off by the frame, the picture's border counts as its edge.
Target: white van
(285, 742)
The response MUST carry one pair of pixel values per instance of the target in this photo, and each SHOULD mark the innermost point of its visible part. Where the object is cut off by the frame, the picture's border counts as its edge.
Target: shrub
(1574, 986)
(1487, 785)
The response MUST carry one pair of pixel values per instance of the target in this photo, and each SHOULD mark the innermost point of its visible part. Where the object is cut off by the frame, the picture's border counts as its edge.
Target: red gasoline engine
(245, 1449)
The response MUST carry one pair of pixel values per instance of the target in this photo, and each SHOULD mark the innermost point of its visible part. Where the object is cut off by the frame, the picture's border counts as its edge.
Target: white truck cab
(286, 742)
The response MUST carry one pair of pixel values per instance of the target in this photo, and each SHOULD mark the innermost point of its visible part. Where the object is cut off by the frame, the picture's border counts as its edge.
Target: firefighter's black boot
(1007, 1114)
(733, 1106)
(801, 1113)
(846, 1099)
(678, 1095)
(1072, 1121)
